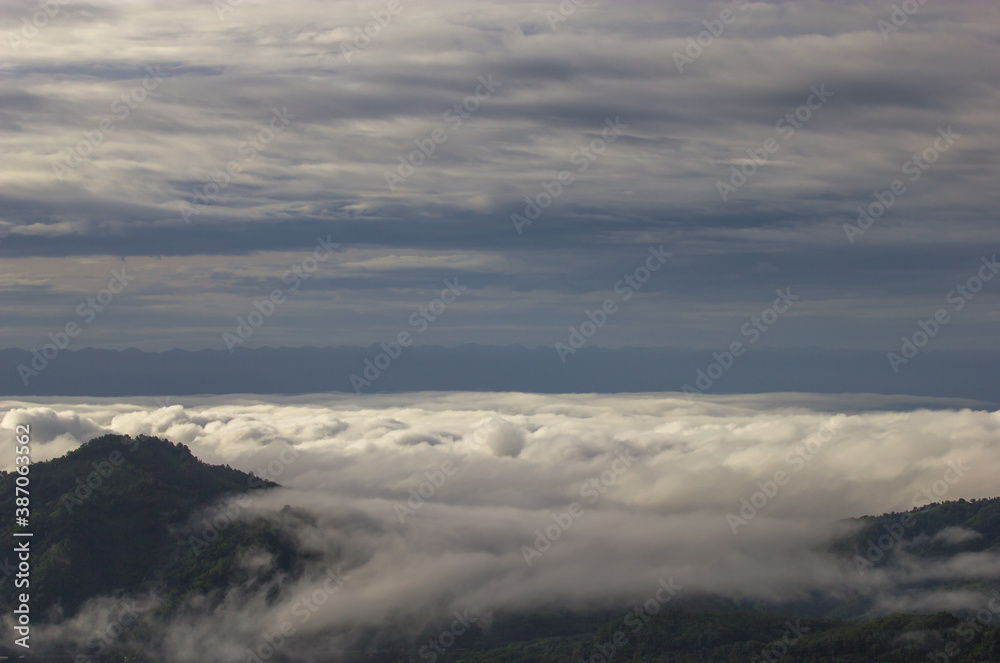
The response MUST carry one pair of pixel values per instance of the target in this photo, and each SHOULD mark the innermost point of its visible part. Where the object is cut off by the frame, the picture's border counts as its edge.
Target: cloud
(506, 440)
(654, 475)
(953, 536)
(325, 174)
(52, 433)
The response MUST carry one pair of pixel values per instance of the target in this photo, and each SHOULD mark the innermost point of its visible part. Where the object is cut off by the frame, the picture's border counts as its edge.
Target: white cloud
(663, 515)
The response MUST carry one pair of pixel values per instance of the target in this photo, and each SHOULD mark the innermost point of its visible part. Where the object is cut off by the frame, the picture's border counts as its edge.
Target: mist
(420, 506)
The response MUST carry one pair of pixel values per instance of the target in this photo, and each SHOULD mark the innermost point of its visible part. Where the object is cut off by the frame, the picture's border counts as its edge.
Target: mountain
(93, 372)
(684, 636)
(936, 530)
(112, 516)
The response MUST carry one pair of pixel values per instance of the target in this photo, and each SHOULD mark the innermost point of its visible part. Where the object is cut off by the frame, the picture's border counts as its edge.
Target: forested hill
(110, 516)
(939, 529)
(686, 636)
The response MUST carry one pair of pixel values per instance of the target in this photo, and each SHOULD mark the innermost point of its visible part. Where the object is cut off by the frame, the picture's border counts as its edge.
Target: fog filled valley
(499, 331)
(451, 526)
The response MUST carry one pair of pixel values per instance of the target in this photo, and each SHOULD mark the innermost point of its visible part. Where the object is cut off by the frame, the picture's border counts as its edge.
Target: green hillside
(129, 531)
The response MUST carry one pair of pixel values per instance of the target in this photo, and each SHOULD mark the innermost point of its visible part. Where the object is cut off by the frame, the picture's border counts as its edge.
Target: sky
(178, 162)
(427, 504)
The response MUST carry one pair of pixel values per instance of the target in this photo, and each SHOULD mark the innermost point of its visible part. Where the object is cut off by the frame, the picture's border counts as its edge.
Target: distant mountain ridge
(90, 372)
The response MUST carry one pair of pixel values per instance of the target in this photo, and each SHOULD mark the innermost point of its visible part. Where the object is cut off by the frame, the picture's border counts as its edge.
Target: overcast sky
(92, 183)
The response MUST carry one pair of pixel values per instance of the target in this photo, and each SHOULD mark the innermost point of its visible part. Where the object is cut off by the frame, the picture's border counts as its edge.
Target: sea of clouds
(426, 504)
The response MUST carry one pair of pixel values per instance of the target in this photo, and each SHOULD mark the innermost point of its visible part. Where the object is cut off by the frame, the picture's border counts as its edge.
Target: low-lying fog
(427, 504)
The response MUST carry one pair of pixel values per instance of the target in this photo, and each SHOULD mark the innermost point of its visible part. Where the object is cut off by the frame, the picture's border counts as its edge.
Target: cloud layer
(429, 503)
(202, 131)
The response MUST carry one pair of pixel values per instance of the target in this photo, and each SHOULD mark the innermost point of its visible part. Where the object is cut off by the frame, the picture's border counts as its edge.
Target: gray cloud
(353, 120)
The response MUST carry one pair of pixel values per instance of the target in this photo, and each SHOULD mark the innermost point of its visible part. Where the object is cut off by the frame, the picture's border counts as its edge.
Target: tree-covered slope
(933, 532)
(110, 517)
(684, 636)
